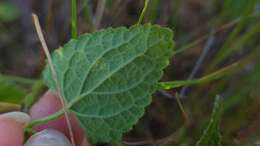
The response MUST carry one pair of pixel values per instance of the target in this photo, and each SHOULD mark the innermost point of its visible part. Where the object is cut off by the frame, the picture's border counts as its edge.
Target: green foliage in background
(233, 7)
(8, 12)
(10, 92)
(211, 135)
(236, 8)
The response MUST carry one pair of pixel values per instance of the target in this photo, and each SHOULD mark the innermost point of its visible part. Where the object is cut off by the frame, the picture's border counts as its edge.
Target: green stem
(18, 79)
(30, 130)
(143, 12)
(46, 119)
(211, 77)
(51, 117)
(74, 18)
(208, 78)
(185, 115)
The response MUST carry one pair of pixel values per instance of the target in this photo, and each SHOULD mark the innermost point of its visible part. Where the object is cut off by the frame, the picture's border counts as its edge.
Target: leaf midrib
(98, 58)
(117, 113)
(75, 100)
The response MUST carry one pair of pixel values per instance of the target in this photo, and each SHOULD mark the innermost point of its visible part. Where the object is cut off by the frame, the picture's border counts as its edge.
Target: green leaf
(107, 78)
(211, 135)
(10, 92)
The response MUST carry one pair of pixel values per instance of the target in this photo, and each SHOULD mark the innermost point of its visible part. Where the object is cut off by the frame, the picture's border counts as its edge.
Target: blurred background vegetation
(209, 35)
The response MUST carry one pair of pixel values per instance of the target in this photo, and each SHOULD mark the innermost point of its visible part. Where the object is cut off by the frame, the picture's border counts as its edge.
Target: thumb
(11, 129)
(48, 137)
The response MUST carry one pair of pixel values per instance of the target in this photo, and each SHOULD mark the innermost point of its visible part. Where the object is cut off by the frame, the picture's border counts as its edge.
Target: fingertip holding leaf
(49, 104)
(107, 78)
(11, 132)
(48, 137)
(20, 117)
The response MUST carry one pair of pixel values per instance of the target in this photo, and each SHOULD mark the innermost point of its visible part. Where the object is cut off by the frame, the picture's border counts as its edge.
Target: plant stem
(185, 115)
(46, 119)
(200, 60)
(211, 77)
(74, 19)
(53, 73)
(143, 12)
(18, 79)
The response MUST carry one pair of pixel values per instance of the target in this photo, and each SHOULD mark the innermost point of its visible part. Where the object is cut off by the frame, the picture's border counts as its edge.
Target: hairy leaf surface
(107, 77)
(211, 135)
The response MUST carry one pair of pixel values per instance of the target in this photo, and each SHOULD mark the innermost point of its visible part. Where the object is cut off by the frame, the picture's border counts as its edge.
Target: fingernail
(20, 117)
(48, 137)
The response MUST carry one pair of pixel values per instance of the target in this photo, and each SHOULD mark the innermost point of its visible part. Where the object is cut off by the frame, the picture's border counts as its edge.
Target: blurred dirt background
(209, 35)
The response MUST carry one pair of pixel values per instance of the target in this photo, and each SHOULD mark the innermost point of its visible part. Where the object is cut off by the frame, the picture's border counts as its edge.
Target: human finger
(49, 104)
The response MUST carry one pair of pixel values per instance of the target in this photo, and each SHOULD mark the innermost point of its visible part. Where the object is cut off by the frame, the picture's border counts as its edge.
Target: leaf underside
(107, 77)
(211, 135)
